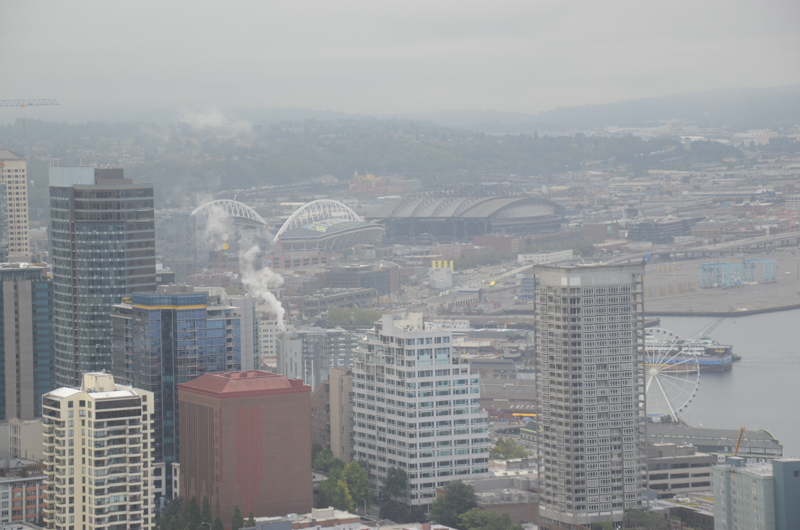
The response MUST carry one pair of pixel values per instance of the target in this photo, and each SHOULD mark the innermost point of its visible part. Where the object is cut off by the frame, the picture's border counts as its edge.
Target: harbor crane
(27, 102)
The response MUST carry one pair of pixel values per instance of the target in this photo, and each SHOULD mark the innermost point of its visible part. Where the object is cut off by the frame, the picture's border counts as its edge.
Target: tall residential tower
(14, 173)
(590, 347)
(99, 454)
(103, 248)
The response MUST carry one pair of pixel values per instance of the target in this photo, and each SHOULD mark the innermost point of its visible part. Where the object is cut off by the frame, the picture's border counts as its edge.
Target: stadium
(459, 213)
(326, 226)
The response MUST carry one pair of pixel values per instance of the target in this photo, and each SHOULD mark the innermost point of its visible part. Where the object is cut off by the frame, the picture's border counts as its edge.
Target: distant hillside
(734, 109)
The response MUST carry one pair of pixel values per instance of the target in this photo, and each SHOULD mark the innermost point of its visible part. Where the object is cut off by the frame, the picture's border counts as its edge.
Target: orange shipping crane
(738, 440)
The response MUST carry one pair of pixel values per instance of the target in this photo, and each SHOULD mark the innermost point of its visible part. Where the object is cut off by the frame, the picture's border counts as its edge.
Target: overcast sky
(378, 57)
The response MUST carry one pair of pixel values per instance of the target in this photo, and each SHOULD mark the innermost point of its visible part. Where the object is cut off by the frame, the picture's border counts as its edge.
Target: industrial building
(592, 448)
(462, 212)
(98, 441)
(755, 445)
(26, 342)
(245, 440)
(168, 337)
(102, 235)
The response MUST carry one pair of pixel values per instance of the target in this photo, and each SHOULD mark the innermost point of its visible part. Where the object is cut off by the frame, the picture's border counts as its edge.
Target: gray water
(763, 390)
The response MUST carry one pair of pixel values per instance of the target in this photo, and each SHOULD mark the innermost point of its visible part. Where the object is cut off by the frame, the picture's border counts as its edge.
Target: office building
(589, 323)
(246, 440)
(22, 490)
(310, 353)
(103, 248)
(99, 456)
(3, 223)
(340, 384)
(416, 408)
(14, 173)
(169, 337)
(678, 469)
(176, 242)
(248, 322)
(269, 333)
(762, 496)
(26, 372)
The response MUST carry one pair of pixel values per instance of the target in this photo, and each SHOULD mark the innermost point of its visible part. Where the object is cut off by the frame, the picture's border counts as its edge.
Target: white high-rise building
(416, 408)
(98, 448)
(592, 447)
(14, 173)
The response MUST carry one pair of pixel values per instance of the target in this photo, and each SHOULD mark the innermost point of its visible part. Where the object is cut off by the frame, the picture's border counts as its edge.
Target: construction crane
(738, 440)
(27, 102)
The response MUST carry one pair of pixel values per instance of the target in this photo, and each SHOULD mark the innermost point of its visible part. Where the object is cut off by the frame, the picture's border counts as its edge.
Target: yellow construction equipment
(738, 440)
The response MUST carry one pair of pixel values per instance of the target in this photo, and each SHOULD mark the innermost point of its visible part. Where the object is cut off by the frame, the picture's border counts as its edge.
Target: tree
(642, 519)
(334, 492)
(251, 521)
(237, 521)
(217, 524)
(395, 484)
(507, 449)
(357, 482)
(316, 449)
(192, 518)
(326, 462)
(402, 513)
(458, 498)
(205, 515)
(478, 519)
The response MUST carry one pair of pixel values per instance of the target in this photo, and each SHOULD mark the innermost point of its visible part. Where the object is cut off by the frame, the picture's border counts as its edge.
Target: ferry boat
(711, 356)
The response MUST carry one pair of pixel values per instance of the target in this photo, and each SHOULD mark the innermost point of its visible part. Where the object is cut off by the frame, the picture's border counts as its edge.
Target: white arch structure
(231, 209)
(316, 211)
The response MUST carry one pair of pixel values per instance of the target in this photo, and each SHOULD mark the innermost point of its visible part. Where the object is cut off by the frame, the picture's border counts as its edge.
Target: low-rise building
(678, 469)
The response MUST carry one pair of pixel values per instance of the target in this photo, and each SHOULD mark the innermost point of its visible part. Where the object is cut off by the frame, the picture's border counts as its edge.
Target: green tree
(478, 519)
(402, 513)
(458, 498)
(237, 521)
(333, 492)
(395, 485)
(205, 515)
(357, 481)
(642, 519)
(603, 525)
(507, 449)
(326, 462)
(192, 518)
(316, 449)
(217, 524)
(251, 521)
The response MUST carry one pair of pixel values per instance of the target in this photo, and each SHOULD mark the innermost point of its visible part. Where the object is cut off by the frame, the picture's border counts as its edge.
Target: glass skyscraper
(26, 343)
(165, 338)
(103, 248)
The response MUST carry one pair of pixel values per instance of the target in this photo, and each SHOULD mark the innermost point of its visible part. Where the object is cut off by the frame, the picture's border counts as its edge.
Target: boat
(711, 356)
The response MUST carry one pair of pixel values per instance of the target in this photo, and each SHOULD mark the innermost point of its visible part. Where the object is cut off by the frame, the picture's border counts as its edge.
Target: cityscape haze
(408, 266)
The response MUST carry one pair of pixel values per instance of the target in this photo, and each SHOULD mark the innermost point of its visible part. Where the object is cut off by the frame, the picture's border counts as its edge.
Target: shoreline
(726, 314)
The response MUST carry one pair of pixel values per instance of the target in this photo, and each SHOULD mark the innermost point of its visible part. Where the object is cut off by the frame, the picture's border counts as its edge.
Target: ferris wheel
(672, 373)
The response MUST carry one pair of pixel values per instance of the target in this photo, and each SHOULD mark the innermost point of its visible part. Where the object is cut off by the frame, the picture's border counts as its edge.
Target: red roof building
(245, 439)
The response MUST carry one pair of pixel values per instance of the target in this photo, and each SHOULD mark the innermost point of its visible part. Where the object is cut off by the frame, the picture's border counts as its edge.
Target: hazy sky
(98, 57)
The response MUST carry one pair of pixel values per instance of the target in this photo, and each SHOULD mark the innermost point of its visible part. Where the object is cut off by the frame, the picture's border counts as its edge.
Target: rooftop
(5, 154)
(243, 384)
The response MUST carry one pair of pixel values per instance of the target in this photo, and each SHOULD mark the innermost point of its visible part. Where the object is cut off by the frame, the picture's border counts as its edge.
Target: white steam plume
(259, 282)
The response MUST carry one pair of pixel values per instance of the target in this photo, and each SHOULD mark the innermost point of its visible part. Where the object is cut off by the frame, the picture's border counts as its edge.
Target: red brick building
(245, 439)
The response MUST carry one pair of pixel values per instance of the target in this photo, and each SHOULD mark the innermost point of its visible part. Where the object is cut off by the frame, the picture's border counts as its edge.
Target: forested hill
(775, 108)
(183, 161)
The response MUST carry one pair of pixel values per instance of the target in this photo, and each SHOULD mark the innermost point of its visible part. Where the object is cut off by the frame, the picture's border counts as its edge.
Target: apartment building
(589, 324)
(416, 408)
(14, 174)
(98, 448)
